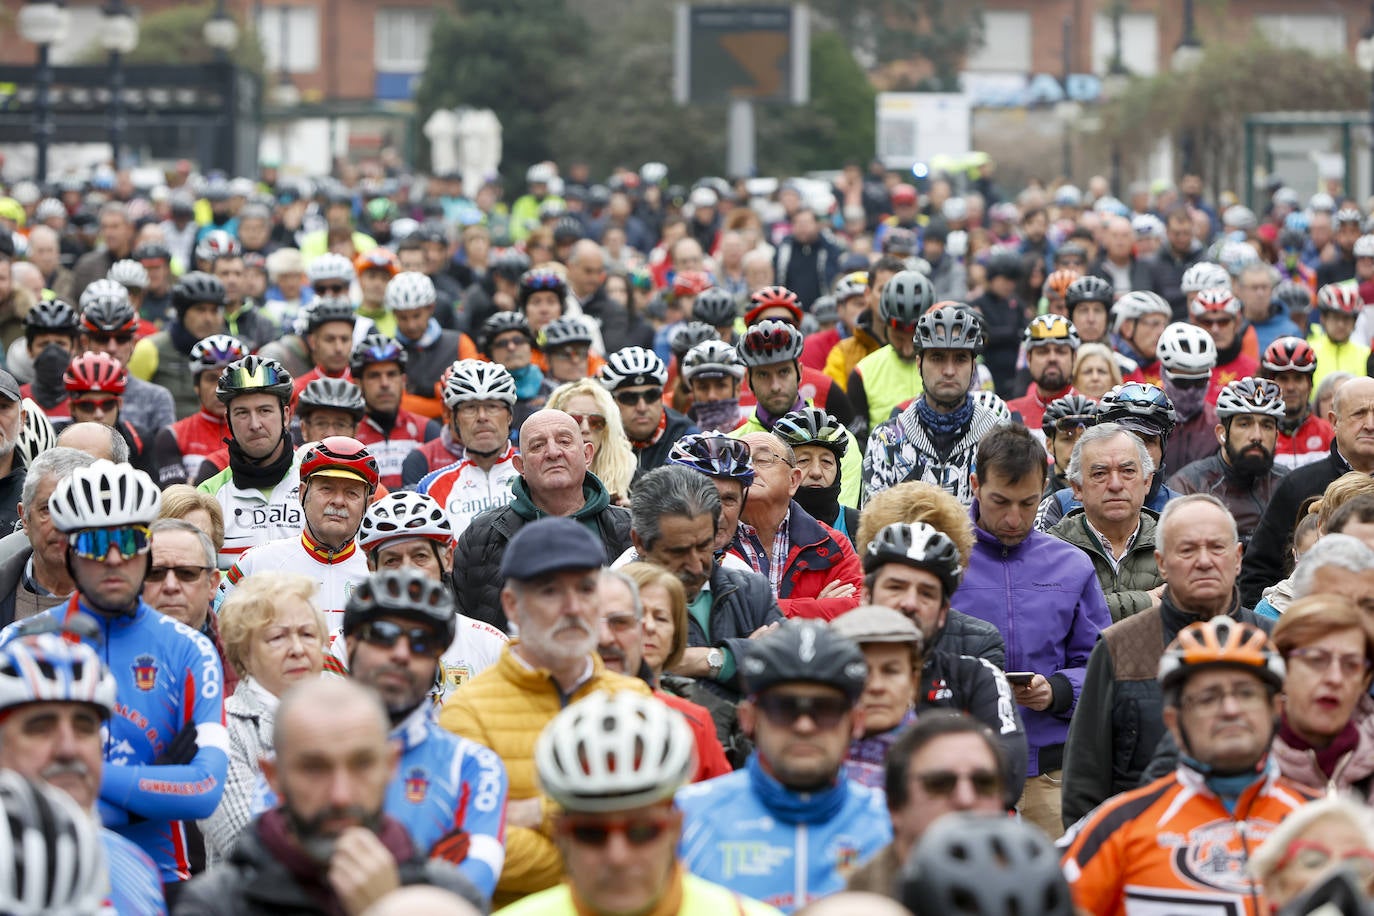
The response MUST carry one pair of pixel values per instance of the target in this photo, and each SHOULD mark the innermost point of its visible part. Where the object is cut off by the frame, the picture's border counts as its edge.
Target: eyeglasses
(385, 634)
(95, 543)
(620, 623)
(1318, 661)
(104, 405)
(1314, 856)
(331, 289)
(632, 398)
(107, 338)
(768, 459)
(1210, 701)
(785, 710)
(185, 574)
(597, 831)
(470, 409)
(595, 421)
(942, 783)
(514, 342)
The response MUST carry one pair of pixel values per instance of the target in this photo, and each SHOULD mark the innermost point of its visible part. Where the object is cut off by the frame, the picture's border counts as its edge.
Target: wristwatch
(715, 661)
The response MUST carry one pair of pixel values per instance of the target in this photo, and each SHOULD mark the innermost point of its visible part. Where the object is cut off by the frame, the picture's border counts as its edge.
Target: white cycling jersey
(253, 516)
(465, 490)
(476, 646)
(337, 574)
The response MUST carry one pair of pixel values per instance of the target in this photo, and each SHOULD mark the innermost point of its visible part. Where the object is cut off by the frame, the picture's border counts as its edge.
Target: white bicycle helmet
(329, 266)
(1186, 351)
(128, 273)
(475, 380)
(1205, 275)
(409, 291)
(1236, 256)
(1364, 247)
(1136, 305)
(104, 495)
(37, 435)
(1148, 226)
(1250, 395)
(105, 294)
(404, 514)
(47, 668)
(53, 853)
(632, 366)
(614, 752)
(712, 359)
(992, 401)
(851, 285)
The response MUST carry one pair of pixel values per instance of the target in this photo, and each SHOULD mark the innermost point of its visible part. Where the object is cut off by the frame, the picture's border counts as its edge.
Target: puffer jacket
(1061, 502)
(477, 579)
(1042, 594)
(505, 708)
(1119, 723)
(1128, 589)
(900, 449)
(964, 634)
(975, 687)
(1355, 770)
(1192, 440)
(1243, 495)
(248, 716)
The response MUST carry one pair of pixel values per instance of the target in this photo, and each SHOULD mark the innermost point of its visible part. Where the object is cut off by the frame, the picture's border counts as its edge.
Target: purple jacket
(1043, 596)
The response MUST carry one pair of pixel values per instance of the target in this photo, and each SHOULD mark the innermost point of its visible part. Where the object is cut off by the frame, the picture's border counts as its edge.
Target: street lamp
(1364, 56)
(1187, 56)
(222, 34)
(43, 23)
(118, 36)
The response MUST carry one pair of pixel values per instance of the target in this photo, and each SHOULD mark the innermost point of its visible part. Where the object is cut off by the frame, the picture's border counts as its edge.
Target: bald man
(586, 281)
(96, 440)
(421, 901)
(1118, 264)
(1352, 416)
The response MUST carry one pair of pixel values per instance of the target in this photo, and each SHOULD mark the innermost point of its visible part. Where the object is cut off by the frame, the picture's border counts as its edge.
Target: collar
(260, 694)
(31, 584)
(1043, 401)
(322, 554)
(414, 728)
(593, 667)
(658, 433)
(427, 339)
(206, 417)
(1107, 544)
(793, 807)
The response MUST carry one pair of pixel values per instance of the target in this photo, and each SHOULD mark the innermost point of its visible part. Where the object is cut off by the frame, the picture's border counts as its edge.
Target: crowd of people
(377, 544)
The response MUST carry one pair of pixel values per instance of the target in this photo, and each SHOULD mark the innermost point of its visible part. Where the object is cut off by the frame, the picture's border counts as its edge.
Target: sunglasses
(597, 831)
(107, 338)
(105, 405)
(595, 421)
(185, 574)
(1191, 384)
(511, 343)
(263, 376)
(327, 289)
(897, 324)
(385, 634)
(632, 398)
(785, 710)
(942, 783)
(95, 543)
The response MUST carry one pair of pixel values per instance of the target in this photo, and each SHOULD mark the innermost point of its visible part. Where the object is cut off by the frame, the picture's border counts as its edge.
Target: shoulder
(482, 629)
(1116, 814)
(704, 796)
(214, 484)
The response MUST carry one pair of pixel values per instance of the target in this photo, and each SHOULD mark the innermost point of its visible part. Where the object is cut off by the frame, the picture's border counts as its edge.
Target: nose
(342, 792)
(604, 634)
(963, 795)
(65, 746)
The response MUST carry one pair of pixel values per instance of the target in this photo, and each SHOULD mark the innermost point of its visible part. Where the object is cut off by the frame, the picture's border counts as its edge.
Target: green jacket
(1127, 591)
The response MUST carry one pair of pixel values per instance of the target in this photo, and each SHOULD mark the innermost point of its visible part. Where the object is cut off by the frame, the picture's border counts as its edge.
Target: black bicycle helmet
(1295, 295)
(152, 251)
(500, 323)
(920, 545)
(804, 651)
(331, 394)
(376, 348)
(51, 316)
(402, 593)
(254, 375)
(111, 313)
(812, 426)
(1089, 289)
(715, 455)
(906, 297)
(194, 288)
(1073, 409)
(949, 328)
(985, 865)
(1004, 264)
(510, 264)
(1140, 408)
(716, 307)
(325, 309)
(688, 334)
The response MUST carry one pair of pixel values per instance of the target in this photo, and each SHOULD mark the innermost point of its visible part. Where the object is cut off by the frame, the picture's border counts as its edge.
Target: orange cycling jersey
(1171, 847)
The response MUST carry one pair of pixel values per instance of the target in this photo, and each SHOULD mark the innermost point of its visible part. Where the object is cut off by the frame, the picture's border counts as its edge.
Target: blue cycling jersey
(167, 677)
(135, 883)
(748, 832)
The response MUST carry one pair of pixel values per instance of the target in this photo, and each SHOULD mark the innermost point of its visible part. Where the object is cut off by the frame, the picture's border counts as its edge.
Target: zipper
(800, 897)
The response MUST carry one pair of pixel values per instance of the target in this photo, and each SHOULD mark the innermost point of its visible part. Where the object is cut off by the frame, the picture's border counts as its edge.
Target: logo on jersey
(1314, 442)
(845, 857)
(417, 786)
(145, 672)
(1213, 857)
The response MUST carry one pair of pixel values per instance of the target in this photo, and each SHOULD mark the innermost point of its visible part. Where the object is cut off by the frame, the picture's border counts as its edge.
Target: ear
(638, 543)
(1171, 723)
(1331, 416)
(747, 713)
(973, 482)
(508, 602)
(794, 481)
(445, 557)
(1159, 564)
(214, 576)
(519, 461)
(1220, 433)
(588, 450)
(858, 730)
(1077, 491)
(865, 596)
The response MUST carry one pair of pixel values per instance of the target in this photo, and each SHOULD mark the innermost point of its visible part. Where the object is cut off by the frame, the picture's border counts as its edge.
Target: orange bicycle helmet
(1220, 643)
(1058, 283)
(377, 259)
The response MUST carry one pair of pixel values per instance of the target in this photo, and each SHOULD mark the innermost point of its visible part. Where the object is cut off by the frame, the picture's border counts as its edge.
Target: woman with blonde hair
(274, 636)
(613, 459)
(185, 502)
(1309, 844)
(1095, 371)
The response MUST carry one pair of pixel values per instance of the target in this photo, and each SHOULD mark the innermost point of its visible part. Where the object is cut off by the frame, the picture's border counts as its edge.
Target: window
(1006, 43)
(402, 39)
(290, 38)
(1314, 32)
(1139, 43)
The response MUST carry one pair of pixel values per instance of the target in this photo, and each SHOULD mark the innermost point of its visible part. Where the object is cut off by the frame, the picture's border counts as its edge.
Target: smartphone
(1020, 678)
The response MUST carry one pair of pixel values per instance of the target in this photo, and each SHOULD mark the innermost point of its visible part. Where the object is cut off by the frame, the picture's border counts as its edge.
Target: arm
(167, 459)
(847, 570)
(1265, 555)
(838, 404)
(1123, 604)
(1090, 619)
(413, 469)
(235, 810)
(1094, 867)
(165, 414)
(988, 698)
(483, 819)
(858, 397)
(1088, 750)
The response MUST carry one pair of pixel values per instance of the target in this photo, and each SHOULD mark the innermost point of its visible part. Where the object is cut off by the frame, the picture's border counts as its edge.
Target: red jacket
(711, 760)
(1241, 367)
(817, 555)
(1031, 406)
(818, 346)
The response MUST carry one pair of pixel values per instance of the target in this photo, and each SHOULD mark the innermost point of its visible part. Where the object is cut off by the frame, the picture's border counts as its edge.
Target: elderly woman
(613, 460)
(1312, 842)
(1095, 371)
(200, 509)
(891, 644)
(665, 640)
(274, 636)
(1326, 734)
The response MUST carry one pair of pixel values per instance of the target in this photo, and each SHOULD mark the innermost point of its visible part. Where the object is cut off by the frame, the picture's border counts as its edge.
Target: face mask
(1188, 402)
(719, 416)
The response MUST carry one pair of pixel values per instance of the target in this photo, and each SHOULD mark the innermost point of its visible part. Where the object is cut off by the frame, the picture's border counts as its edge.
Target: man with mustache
(1051, 342)
(551, 570)
(35, 577)
(328, 845)
(56, 696)
(338, 479)
(1243, 474)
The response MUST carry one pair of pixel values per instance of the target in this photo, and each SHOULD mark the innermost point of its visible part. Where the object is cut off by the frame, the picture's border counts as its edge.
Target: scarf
(182, 339)
(821, 503)
(716, 416)
(768, 420)
(49, 366)
(251, 475)
(427, 339)
(944, 424)
(312, 877)
(1329, 757)
(527, 382)
(1230, 353)
(658, 433)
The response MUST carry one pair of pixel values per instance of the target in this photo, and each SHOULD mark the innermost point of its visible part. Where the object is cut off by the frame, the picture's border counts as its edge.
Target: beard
(546, 645)
(1253, 461)
(1052, 379)
(310, 833)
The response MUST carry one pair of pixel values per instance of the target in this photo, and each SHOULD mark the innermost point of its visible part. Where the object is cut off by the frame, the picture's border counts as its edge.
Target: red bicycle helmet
(1289, 354)
(691, 282)
(1216, 299)
(340, 456)
(1335, 298)
(771, 297)
(99, 372)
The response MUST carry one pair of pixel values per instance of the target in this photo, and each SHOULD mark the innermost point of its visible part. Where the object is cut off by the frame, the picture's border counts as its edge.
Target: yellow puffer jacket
(505, 708)
(846, 354)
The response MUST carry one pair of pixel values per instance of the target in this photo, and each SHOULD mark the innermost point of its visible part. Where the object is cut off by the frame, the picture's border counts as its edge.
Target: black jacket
(251, 882)
(965, 634)
(11, 574)
(1266, 557)
(1119, 720)
(656, 455)
(477, 579)
(741, 602)
(1245, 496)
(1166, 276)
(619, 329)
(1003, 320)
(974, 686)
(1139, 272)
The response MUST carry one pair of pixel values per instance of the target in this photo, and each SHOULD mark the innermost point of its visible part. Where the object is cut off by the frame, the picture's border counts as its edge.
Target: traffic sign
(742, 53)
